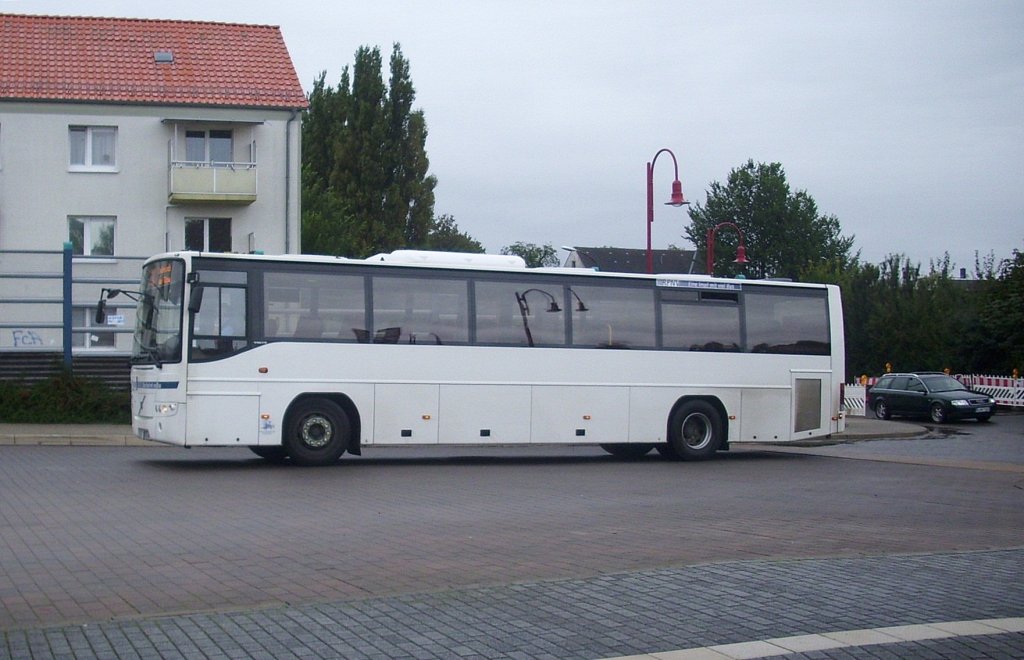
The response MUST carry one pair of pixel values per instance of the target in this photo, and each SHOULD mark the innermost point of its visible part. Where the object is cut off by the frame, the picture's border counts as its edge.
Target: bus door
(223, 399)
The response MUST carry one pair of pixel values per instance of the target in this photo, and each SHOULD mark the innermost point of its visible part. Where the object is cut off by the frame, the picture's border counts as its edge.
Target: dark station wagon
(937, 396)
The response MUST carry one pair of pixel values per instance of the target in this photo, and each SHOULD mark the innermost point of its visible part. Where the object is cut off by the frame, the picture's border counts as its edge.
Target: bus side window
(309, 327)
(787, 321)
(696, 321)
(219, 325)
(497, 314)
(419, 311)
(314, 305)
(612, 316)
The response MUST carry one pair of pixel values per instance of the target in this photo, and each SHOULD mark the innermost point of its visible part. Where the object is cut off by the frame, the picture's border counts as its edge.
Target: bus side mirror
(101, 312)
(195, 299)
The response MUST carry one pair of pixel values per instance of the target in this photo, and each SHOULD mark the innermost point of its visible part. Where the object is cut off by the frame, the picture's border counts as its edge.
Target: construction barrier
(1005, 390)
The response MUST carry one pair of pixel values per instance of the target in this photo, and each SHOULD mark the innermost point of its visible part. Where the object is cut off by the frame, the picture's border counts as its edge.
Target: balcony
(191, 182)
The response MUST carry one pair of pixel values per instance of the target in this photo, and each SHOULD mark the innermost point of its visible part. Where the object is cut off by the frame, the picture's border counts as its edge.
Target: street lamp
(741, 251)
(677, 200)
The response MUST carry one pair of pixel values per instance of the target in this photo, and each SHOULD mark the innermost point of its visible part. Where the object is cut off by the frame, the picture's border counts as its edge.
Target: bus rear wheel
(627, 450)
(317, 433)
(695, 431)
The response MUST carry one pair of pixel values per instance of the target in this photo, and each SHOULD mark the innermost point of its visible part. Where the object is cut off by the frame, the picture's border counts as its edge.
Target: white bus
(306, 358)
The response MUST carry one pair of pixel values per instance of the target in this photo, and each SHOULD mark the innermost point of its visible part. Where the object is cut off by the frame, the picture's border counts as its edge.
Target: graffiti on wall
(22, 338)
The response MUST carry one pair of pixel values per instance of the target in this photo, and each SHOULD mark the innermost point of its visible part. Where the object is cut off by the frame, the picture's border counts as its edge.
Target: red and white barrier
(1005, 390)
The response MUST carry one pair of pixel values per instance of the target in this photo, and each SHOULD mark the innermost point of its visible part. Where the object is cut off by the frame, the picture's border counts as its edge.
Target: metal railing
(33, 281)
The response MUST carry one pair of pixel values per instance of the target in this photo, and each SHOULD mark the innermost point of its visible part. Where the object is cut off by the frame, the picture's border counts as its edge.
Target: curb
(65, 440)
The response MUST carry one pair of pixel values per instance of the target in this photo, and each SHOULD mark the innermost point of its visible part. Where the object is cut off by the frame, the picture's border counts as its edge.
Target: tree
(534, 255)
(784, 232)
(365, 184)
(859, 284)
(915, 320)
(444, 235)
(998, 345)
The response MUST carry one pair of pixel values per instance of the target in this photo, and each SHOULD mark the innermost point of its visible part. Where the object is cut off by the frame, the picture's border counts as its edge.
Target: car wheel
(695, 432)
(938, 413)
(882, 409)
(627, 450)
(317, 432)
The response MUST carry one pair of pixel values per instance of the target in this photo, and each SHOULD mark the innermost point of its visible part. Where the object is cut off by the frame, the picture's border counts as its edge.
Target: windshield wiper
(153, 353)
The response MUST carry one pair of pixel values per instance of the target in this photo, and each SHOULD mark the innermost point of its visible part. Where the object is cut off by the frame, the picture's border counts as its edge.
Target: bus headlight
(166, 408)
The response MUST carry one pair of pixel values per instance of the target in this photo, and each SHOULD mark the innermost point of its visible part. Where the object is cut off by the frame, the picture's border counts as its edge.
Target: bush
(62, 399)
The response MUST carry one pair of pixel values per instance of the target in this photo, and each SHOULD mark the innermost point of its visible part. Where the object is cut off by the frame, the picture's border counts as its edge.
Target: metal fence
(41, 289)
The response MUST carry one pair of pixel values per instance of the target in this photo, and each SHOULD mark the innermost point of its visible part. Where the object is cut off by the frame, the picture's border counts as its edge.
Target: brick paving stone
(389, 574)
(610, 615)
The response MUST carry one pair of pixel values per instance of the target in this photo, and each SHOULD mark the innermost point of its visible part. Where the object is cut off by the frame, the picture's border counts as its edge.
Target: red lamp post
(676, 199)
(741, 250)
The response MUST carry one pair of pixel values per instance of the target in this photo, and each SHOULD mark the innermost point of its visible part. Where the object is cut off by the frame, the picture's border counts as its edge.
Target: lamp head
(677, 195)
(741, 255)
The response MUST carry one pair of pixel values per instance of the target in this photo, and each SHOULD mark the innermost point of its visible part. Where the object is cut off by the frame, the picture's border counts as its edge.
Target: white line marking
(839, 639)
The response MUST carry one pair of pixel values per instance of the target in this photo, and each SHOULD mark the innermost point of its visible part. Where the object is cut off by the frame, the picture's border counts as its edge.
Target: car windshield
(157, 336)
(942, 383)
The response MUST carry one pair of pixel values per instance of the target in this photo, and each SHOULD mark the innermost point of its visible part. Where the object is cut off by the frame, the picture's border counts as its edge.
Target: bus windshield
(157, 336)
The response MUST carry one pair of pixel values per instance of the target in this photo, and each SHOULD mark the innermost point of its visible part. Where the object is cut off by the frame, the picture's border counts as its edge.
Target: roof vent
(163, 56)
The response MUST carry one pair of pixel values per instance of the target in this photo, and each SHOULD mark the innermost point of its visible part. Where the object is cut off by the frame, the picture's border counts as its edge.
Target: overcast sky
(903, 119)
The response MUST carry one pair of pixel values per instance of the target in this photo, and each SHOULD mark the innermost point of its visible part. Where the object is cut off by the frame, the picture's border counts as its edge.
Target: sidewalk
(115, 435)
(85, 435)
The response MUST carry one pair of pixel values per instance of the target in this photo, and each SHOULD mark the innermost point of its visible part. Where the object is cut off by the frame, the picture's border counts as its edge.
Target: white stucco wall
(39, 191)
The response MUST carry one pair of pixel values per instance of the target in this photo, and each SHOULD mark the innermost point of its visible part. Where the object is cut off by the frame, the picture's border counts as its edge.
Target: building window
(94, 336)
(214, 147)
(93, 147)
(208, 234)
(91, 236)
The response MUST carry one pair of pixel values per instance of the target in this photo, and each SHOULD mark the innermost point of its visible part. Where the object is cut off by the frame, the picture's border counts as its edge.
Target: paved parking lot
(610, 615)
(524, 552)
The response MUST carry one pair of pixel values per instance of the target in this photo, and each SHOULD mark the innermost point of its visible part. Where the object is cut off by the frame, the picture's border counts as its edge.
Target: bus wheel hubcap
(316, 431)
(696, 431)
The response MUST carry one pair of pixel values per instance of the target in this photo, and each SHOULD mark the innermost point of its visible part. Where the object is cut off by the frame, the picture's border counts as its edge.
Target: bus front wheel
(317, 432)
(695, 431)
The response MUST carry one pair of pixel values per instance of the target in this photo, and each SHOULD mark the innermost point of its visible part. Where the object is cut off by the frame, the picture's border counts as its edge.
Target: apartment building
(129, 137)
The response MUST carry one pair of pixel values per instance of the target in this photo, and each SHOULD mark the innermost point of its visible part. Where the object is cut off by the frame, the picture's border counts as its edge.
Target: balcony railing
(226, 183)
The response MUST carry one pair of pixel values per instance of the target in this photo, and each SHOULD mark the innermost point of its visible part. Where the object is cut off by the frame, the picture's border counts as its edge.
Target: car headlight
(166, 408)
(960, 402)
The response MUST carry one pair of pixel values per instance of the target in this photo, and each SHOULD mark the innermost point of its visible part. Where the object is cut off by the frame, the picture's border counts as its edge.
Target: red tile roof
(113, 60)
